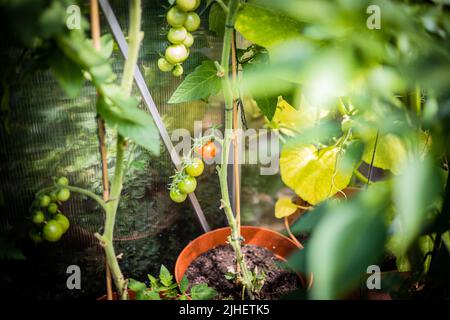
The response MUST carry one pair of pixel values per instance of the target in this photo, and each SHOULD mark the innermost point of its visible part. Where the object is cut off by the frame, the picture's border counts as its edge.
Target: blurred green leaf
(143, 133)
(265, 27)
(414, 191)
(346, 242)
(67, 73)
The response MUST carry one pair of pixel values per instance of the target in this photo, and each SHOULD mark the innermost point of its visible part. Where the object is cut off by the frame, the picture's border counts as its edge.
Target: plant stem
(223, 5)
(134, 40)
(82, 191)
(134, 36)
(234, 238)
(341, 108)
(89, 194)
(113, 204)
(418, 101)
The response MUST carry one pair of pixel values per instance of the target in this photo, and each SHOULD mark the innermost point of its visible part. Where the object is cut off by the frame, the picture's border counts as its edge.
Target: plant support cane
(95, 32)
(234, 239)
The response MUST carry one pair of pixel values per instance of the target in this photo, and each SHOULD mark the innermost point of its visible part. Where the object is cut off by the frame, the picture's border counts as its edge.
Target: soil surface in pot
(211, 267)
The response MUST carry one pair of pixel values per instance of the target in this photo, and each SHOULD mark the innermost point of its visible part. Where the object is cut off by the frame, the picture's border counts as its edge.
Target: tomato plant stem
(234, 238)
(134, 37)
(134, 40)
(223, 5)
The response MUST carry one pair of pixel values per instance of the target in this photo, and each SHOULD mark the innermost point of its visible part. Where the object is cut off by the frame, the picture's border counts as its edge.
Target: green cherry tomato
(177, 196)
(178, 70)
(197, 4)
(38, 217)
(176, 17)
(189, 40)
(63, 221)
(176, 53)
(52, 231)
(177, 35)
(35, 236)
(63, 181)
(195, 167)
(53, 196)
(52, 208)
(44, 201)
(187, 185)
(63, 195)
(187, 5)
(164, 65)
(192, 22)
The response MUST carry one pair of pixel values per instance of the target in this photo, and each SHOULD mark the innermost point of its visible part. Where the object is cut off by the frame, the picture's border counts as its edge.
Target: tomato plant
(163, 288)
(73, 58)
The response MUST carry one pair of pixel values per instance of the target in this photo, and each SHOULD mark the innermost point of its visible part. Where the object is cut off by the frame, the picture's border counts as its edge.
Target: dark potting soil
(211, 267)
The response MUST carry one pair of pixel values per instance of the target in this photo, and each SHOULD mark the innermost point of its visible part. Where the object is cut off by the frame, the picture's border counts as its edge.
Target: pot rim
(208, 234)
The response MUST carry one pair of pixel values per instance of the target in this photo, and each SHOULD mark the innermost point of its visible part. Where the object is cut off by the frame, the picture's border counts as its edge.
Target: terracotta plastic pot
(278, 244)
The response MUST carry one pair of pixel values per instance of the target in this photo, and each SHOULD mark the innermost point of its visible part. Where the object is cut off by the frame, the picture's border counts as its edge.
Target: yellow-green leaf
(284, 208)
(291, 121)
(390, 154)
(314, 175)
(264, 26)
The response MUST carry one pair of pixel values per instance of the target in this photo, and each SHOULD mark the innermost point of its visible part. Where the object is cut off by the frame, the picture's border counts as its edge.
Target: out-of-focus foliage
(373, 96)
(69, 53)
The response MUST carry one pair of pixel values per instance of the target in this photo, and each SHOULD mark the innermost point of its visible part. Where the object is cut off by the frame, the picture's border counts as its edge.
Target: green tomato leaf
(147, 295)
(184, 284)
(265, 27)
(314, 175)
(165, 276)
(216, 20)
(136, 286)
(284, 208)
(67, 73)
(153, 282)
(202, 292)
(200, 84)
(143, 133)
(107, 45)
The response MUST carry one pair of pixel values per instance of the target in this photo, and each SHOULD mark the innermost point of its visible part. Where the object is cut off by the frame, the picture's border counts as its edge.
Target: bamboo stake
(95, 32)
